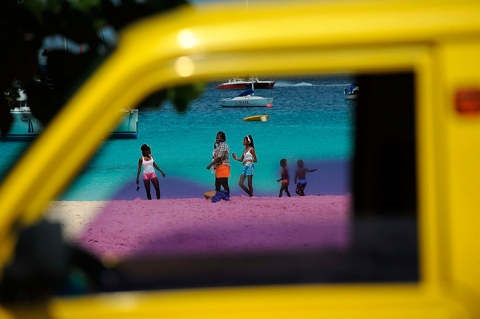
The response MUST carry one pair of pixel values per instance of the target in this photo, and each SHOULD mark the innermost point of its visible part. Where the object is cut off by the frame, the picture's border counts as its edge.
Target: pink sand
(175, 227)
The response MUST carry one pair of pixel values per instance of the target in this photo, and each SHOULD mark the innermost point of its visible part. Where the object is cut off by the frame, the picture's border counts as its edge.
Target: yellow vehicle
(429, 51)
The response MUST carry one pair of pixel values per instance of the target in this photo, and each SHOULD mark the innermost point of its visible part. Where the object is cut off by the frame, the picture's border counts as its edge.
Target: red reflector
(467, 101)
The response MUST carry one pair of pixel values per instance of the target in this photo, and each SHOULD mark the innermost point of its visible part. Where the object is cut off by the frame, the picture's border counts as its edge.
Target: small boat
(352, 92)
(262, 118)
(247, 99)
(242, 84)
(128, 125)
(26, 127)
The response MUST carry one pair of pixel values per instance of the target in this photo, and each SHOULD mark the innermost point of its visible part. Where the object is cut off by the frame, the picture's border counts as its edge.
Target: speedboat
(352, 92)
(247, 99)
(243, 84)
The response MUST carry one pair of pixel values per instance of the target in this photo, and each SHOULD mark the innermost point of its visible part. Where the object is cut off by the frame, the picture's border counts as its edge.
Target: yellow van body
(439, 41)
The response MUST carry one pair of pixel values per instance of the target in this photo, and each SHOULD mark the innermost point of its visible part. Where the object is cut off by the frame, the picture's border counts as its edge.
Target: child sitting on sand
(300, 174)
(285, 179)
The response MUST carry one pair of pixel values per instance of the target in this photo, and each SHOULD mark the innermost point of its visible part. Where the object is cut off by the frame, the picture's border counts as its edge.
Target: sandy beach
(175, 227)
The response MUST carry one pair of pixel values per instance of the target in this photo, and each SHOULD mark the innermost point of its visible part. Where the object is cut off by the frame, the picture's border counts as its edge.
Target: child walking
(149, 166)
(285, 179)
(301, 175)
(248, 158)
(220, 163)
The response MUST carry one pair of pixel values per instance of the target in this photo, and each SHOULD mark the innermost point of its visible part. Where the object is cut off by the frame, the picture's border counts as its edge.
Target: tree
(24, 24)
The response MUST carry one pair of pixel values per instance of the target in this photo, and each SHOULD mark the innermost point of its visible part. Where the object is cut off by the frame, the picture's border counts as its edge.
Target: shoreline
(186, 226)
(332, 178)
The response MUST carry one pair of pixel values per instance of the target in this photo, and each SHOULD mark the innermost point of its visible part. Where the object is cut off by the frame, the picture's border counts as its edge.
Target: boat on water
(26, 127)
(351, 93)
(243, 84)
(247, 99)
(127, 128)
(262, 118)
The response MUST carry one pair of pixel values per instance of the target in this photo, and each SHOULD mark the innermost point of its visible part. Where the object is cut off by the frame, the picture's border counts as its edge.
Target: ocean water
(309, 120)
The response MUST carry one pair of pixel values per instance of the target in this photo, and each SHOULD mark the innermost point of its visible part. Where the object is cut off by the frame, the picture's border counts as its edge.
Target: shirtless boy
(301, 178)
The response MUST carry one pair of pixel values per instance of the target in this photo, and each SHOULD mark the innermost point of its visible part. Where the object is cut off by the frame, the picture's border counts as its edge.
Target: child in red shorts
(285, 179)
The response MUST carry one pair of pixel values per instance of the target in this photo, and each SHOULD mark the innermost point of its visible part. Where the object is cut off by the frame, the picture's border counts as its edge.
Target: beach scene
(309, 119)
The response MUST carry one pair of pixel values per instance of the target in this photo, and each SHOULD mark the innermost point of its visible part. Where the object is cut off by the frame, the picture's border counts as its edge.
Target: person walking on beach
(301, 176)
(285, 178)
(149, 166)
(212, 169)
(248, 158)
(221, 163)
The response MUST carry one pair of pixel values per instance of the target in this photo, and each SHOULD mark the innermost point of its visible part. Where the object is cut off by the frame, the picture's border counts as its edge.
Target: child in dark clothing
(300, 174)
(285, 179)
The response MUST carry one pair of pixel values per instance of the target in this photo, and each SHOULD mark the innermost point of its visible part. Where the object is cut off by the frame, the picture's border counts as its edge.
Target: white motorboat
(352, 92)
(247, 99)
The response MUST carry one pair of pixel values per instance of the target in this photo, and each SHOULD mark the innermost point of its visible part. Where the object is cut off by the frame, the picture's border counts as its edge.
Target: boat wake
(292, 84)
(284, 84)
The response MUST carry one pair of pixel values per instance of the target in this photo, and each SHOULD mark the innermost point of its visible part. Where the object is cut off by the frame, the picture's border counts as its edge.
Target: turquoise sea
(309, 120)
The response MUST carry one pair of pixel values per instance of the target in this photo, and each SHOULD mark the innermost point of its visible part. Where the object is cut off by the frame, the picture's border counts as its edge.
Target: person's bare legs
(146, 182)
(250, 185)
(224, 182)
(286, 191)
(156, 184)
(284, 187)
(242, 185)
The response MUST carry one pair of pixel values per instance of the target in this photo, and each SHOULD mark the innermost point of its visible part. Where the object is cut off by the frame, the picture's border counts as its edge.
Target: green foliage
(36, 7)
(181, 96)
(85, 6)
(23, 26)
